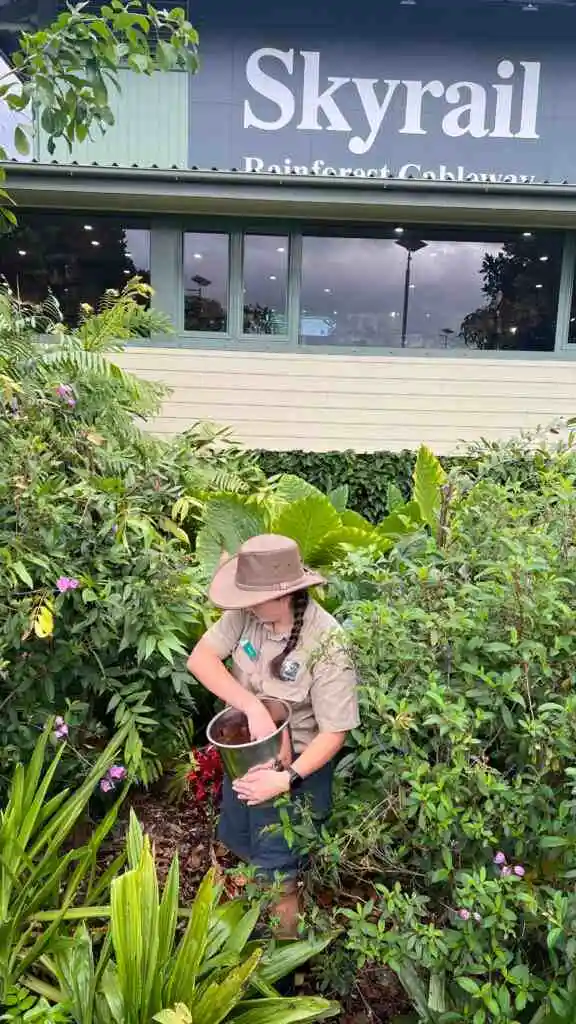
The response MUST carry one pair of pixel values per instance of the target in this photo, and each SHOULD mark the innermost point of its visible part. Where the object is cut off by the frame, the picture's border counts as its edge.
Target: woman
(283, 645)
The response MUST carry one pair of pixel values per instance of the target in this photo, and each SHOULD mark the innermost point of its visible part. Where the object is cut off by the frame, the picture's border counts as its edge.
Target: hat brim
(225, 594)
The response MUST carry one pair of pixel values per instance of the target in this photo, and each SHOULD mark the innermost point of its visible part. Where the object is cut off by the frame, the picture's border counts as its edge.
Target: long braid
(299, 605)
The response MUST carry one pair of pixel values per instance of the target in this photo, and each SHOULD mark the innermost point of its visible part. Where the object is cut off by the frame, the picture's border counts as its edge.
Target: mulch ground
(188, 830)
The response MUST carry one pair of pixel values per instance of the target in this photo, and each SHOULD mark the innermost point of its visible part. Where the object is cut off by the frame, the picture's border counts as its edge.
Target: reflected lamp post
(411, 245)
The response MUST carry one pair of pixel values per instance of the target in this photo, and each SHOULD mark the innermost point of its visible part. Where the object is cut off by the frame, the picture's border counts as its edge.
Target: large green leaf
(307, 521)
(219, 999)
(339, 498)
(182, 982)
(291, 488)
(338, 541)
(233, 521)
(351, 518)
(288, 957)
(286, 1011)
(429, 477)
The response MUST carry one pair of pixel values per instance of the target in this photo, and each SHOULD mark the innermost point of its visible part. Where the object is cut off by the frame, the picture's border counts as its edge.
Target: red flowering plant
(204, 780)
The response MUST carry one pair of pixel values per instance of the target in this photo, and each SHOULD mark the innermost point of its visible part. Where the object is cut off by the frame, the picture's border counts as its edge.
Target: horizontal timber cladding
(328, 402)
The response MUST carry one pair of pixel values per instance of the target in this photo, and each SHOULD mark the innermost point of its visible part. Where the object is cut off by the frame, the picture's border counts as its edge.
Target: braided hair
(300, 601)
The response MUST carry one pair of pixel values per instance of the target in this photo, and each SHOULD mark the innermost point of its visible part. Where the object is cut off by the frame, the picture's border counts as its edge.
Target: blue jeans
(241, 828)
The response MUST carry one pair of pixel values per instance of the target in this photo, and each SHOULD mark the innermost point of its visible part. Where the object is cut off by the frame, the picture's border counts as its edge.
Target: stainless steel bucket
(238, 758)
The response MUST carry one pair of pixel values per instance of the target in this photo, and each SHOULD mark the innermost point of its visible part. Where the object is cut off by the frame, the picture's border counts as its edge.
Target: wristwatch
(295, 779)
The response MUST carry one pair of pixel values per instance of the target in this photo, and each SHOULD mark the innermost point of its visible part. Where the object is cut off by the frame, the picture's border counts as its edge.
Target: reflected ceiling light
(526, 234)
(88, 227)
(398, 231)
(280, 249)
(544, 259)
(129, 255)
(328, 291)
(539, 285)
(127, 272)
(335, 312)
(197, 255)
(412, 285)
(94, 242)
(428, 315)
(272, 277)
(530, 7)
(21, 252)
(513, 330)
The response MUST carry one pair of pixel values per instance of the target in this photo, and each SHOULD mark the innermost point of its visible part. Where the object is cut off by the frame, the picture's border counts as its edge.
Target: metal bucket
(238, 758)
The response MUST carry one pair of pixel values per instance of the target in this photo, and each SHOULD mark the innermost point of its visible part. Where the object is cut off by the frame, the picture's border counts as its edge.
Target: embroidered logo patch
(289, 671)
(249, 649)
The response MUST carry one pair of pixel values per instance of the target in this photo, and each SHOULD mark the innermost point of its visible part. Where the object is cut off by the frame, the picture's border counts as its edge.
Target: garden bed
(188, 830)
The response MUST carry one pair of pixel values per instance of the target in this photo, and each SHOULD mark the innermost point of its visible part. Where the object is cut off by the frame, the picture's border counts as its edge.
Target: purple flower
(464, 914)
(65, 583)
(114, 775)
(500, 858)
(506, 871)
(64, 391)
(520, 871)
(61, 730)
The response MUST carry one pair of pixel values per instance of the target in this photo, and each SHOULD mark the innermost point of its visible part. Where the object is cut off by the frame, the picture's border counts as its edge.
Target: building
(360, 217)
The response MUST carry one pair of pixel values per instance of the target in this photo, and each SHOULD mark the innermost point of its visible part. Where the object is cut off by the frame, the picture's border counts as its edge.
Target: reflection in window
(206, 258)
(75, 257)
(414, 290)
(265, 284)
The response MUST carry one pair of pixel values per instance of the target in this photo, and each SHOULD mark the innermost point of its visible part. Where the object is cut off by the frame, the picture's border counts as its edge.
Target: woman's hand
(260, 784)
(260, 722)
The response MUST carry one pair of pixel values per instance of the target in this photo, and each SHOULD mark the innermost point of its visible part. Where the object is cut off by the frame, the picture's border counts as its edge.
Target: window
(76, 257)
(206, 269)
(415, 289)
(265, 285)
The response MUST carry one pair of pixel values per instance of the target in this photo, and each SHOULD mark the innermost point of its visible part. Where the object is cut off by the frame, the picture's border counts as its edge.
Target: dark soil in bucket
(234, 734)
(375, 996)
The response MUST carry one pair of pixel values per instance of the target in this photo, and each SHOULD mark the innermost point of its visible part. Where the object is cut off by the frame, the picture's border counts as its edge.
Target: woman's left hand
(260, 784)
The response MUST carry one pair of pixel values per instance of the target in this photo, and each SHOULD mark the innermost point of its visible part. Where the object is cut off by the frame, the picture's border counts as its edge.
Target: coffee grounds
(233, 734)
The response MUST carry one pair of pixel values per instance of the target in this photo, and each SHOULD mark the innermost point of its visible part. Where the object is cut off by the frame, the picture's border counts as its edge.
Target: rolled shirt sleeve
(334, 692)
(223, 637)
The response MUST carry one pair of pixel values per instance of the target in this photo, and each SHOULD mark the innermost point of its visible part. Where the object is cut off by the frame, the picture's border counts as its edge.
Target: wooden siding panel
(323, 402)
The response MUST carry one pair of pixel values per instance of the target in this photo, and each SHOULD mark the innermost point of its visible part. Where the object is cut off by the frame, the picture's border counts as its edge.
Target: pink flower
(61, 730)
(65, 583)
(114, 774)
(464, 914)
(500, 858)
(520, 871)
(506, 871)
(64, 391)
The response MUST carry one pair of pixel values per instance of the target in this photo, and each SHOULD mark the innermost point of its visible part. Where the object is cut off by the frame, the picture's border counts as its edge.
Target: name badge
(249, 649)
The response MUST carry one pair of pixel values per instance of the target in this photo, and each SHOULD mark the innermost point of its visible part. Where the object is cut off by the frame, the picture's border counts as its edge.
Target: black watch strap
(295, 779)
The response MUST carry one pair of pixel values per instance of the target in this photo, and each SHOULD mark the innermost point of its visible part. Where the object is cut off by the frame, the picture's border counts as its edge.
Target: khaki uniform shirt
(319, 681)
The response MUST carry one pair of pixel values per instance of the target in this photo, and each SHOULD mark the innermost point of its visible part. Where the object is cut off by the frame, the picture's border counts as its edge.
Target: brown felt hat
(265, 567)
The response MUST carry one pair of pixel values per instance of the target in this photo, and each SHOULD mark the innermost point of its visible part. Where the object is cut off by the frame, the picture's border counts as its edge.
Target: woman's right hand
(260, 721)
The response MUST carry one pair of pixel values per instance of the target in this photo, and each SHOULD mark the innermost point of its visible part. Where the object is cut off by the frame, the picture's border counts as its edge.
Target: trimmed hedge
(366, 474)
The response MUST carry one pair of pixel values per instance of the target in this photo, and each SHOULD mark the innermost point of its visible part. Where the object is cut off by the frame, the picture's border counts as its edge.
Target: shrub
(456, 813)
(101, 594)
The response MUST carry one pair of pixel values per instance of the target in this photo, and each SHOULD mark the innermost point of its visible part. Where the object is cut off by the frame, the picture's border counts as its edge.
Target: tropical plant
(41, 874)
(323, 526)
(147, 969)
(454, 817)
(102, 596)
(64, 71)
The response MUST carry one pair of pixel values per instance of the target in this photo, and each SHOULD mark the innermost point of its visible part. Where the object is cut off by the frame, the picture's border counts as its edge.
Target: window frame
(169, 291)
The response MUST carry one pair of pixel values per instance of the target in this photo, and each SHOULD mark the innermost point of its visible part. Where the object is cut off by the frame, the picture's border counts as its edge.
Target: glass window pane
(76, 257)
(206, 262)
(415, 290)
(265, 284)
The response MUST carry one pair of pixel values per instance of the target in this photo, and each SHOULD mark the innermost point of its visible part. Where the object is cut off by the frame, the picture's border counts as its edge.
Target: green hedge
(366, 474)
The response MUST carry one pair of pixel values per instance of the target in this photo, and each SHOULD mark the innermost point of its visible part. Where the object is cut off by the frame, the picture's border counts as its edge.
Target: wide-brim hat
(265, 567)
